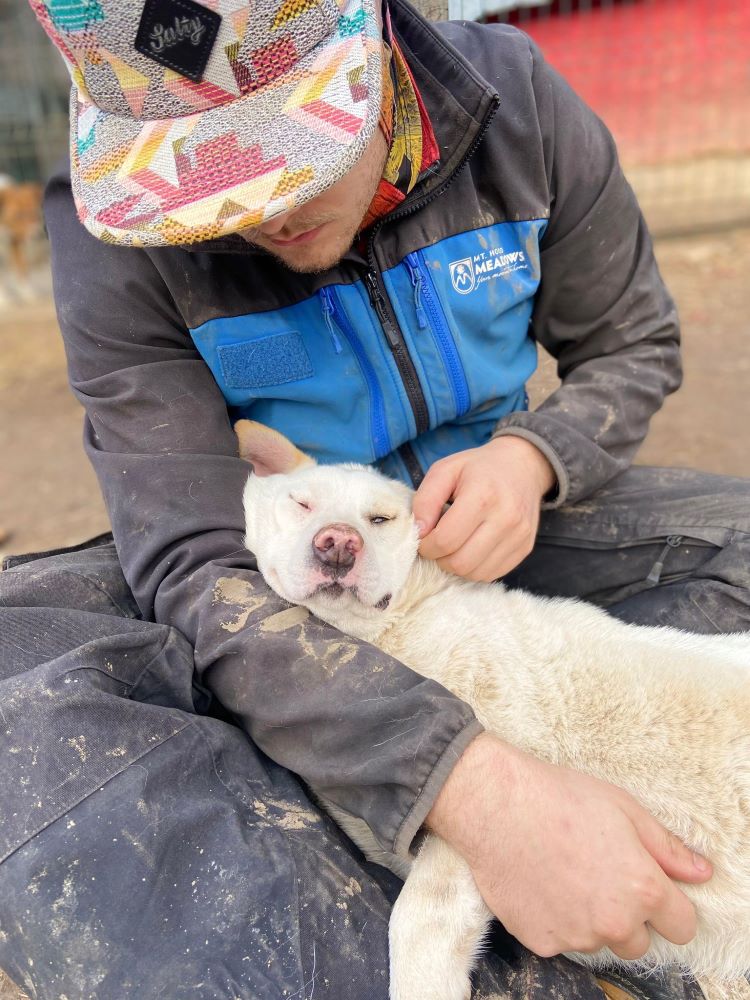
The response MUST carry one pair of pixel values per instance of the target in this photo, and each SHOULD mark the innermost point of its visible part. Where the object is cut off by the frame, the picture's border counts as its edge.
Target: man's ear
(268, 451)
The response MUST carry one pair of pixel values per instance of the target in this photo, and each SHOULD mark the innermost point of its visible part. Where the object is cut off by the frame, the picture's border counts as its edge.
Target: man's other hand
(565, 861)
(491, 526)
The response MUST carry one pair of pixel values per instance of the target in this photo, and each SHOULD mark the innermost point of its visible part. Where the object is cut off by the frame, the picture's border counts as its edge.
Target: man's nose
(274, 226)
(336, 546)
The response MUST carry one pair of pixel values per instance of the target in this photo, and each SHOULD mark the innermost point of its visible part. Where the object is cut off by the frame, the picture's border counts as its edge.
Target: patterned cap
(190, 121)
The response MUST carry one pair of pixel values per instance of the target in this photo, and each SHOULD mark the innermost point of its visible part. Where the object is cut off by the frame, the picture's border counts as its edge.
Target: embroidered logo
(179, 34)
(162, 38)
(469, 273)
(462, 275)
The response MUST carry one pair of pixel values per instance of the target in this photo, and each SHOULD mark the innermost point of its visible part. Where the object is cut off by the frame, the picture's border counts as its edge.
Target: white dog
(574, 686)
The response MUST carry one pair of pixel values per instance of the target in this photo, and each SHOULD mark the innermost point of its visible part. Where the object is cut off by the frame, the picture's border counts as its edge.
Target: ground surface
(50, 497)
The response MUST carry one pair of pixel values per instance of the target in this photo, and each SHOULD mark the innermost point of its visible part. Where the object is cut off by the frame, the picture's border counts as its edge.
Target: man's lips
(306, 237)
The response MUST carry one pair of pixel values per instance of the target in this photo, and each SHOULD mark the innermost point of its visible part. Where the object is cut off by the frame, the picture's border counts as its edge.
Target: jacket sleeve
(602, 309)
(363, 730)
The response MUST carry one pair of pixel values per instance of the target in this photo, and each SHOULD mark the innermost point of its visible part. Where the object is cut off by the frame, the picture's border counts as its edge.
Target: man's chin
(307, 258)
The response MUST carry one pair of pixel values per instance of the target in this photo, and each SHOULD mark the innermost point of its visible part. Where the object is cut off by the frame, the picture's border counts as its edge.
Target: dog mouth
(336, 590)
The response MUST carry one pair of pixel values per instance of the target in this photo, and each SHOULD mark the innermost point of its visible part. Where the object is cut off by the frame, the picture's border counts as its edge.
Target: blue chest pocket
(465, 304)
(255, 364)
(486, 281)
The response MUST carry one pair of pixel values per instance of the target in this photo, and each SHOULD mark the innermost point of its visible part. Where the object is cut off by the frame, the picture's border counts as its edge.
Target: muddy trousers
(149, 850)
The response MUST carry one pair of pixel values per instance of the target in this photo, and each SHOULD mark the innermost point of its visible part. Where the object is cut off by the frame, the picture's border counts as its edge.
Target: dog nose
(337, 546)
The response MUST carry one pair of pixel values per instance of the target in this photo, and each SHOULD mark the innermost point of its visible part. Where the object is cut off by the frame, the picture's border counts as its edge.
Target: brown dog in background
(21, 218)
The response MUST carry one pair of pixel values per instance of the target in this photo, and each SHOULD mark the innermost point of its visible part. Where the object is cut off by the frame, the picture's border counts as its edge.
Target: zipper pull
(412, 263)
(371, 281)
(325, 298)
(673, 542)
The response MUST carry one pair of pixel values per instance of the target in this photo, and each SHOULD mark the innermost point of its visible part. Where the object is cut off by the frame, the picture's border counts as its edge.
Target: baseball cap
(193, 120)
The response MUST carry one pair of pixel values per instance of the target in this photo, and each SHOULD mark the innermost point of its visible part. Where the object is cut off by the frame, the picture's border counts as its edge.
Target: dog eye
(300, 503)
(379, 519)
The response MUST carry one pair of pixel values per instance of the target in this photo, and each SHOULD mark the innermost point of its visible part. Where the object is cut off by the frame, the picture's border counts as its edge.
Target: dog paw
(437, 977)
(411, 989)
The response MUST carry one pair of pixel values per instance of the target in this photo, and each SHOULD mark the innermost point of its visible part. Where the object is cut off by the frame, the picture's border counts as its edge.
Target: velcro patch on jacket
(272, 360)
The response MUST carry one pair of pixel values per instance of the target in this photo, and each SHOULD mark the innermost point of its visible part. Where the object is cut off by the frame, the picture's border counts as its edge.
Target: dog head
(338, 539)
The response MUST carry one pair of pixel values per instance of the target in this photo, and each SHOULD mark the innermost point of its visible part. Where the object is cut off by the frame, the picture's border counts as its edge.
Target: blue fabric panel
(378, 419)
(321, 371)
(266, 361)
(469, 320)
(328, 414)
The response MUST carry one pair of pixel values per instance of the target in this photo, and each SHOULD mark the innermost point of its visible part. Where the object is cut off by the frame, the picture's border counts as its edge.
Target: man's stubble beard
(320, 259)
(312, 259)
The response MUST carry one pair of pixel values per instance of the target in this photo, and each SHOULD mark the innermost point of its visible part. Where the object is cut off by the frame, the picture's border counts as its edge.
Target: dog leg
(437, 927)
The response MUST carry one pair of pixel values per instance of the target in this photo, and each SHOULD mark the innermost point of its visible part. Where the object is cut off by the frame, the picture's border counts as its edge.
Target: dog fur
(659, 712)
(21, 218)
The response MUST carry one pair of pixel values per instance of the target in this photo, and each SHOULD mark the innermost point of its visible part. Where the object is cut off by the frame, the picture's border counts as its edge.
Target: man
(351, 231)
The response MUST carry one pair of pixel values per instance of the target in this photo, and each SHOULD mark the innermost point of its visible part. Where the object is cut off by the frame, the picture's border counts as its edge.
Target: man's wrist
(484, 767)
(531, 457)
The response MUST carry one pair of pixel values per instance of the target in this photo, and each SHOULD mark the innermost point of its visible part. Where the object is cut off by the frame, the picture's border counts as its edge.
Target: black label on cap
(179, 34)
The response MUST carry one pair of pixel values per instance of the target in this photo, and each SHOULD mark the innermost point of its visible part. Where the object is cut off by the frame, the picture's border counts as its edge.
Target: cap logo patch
(179, 34)
(166, 38)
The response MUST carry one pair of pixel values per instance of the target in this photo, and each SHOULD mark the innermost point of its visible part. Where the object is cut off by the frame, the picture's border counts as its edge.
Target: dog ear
(268, 451)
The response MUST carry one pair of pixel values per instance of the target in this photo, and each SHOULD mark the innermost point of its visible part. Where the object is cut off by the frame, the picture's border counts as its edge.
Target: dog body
(21, 218)
(659, 712)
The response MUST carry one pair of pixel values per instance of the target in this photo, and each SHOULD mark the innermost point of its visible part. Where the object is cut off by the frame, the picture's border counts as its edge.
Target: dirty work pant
(149, 850)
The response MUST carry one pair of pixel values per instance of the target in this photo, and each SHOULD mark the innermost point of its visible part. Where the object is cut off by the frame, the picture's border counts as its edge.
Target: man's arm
(602, 309)
(603, 312)
(371, 735)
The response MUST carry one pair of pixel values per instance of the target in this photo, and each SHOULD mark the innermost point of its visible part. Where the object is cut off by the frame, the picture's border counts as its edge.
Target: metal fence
(34, 87)
(670, 77)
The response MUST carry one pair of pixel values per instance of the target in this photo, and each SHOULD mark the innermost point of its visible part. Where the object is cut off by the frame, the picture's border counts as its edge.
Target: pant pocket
(604, 570)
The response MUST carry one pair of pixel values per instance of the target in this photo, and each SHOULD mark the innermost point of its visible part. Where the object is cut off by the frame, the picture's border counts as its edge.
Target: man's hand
(496, 492)
(565, 861)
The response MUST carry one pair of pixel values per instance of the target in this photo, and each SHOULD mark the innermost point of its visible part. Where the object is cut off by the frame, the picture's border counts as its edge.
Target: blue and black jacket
(417, 347)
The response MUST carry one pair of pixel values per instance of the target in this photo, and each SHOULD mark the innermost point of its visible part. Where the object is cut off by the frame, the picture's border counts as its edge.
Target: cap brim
(198, 177)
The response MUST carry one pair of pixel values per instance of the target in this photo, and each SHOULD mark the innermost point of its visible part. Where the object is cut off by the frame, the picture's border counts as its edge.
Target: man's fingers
(502, 560)
(454, 529)
(667, 908)
(435, 490)
(469, 555)
(674, 858)
(464, 542)
(674, 916)
(635, 947)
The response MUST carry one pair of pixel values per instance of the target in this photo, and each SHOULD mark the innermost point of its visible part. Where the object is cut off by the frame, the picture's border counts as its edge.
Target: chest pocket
(266, 361)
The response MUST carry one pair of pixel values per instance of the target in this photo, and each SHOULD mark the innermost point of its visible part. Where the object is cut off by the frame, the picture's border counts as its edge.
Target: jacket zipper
(673, 542)
(335, 317)
(384, 310)
(426, 301)
(379, 296)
